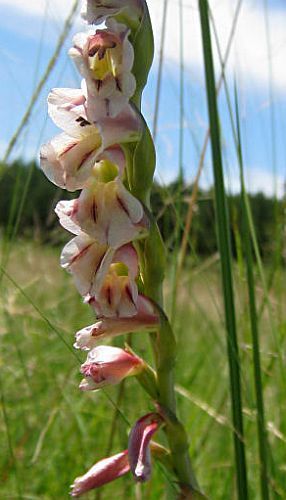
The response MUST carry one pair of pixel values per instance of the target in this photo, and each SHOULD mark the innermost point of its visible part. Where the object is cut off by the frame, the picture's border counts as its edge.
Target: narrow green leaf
(223, 234)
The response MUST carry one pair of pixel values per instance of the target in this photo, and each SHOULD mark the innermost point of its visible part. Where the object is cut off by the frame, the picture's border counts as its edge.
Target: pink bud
(102, 472)
(139, 445)
(108, 365)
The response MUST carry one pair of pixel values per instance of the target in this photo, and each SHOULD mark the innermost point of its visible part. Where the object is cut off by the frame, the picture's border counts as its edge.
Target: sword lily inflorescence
(116, 256)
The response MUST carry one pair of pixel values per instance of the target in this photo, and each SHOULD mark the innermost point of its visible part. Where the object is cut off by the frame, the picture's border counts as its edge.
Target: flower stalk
(117, 256)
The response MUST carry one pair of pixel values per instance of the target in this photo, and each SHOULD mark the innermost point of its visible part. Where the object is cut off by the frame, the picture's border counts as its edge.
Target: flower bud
(96, 11)
(107, 365)
(102, 472)
(139, 445)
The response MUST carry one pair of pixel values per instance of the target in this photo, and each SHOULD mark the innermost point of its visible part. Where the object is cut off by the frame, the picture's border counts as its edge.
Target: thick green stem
(176, 434)
(141, 161)
(153, 264)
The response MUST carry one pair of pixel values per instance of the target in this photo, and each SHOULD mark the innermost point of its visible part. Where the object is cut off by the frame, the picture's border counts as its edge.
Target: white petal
(126, 127)
(82, 257)
(65, 107)
(64, 211)
(128, 256)
(67, 161)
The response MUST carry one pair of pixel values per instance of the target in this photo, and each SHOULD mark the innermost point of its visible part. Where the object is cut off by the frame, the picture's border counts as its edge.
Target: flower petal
(116, 156)
(105, 211)
(128, 256)
(83, 257)
(125, 127)
(65, 211)
(67, 161)
(65, 106)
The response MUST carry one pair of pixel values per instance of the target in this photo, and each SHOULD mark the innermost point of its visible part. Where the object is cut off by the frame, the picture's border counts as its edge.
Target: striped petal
(83, 257)
(105, 211)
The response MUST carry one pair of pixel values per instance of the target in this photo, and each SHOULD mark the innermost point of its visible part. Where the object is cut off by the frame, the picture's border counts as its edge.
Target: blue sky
(28, 37)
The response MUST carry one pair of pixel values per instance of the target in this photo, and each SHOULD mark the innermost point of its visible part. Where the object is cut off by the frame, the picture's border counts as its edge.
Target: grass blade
(223, 234)
(261, 430)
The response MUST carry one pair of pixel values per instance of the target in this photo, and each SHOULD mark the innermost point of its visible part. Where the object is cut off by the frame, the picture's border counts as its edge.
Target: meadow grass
(56, 432)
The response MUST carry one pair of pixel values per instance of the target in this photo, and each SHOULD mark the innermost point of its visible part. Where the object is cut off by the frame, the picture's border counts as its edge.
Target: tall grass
(223, 234)
(247, 244)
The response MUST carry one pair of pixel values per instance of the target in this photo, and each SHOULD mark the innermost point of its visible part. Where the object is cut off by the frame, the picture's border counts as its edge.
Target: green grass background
(56, 432)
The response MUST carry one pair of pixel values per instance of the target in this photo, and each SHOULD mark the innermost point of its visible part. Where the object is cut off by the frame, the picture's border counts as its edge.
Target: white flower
(105, 58)
(68, 159)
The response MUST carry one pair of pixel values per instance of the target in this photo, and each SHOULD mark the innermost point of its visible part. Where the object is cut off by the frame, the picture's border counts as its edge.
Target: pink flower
(96, 11)
(145, 319)
(102, 472)
(108, 365)
(117, 294)
(105, 59)
(139, 445)
(68, 159)
(106, 211)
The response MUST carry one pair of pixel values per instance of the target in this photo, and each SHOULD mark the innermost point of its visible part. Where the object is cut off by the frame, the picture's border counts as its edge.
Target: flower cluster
(106, 219)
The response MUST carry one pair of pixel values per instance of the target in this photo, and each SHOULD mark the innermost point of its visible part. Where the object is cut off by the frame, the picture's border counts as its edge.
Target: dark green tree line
(28, 199)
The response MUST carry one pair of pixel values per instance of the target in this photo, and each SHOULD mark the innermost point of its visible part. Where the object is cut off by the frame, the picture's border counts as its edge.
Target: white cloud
(249, 55)
(38, 7)
(257, 179)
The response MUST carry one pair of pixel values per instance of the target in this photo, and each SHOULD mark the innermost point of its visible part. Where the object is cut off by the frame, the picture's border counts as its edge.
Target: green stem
(141, 160)
(176, 434)
(225, 252)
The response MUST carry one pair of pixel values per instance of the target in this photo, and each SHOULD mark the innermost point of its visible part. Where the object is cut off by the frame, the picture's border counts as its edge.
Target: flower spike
(106, 150)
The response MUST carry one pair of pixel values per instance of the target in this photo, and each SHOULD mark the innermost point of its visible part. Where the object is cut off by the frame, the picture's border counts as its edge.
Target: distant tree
(28, 199)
